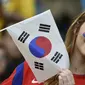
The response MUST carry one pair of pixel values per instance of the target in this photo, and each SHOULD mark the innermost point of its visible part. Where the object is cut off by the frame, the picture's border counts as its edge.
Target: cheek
(80, 44)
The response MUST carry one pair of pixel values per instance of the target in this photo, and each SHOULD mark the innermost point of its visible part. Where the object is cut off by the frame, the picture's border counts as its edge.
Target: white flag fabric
(40, 43)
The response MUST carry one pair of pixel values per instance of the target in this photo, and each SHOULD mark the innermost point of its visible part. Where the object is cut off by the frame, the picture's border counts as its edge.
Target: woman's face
(80, 40)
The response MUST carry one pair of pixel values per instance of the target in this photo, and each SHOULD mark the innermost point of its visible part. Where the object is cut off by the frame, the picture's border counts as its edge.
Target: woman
(75, 43)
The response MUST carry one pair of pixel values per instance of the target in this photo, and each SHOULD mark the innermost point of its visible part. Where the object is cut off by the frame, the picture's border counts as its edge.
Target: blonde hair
(72, 33)
(69, 42)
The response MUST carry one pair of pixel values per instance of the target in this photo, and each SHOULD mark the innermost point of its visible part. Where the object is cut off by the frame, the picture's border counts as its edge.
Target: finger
(69, 76)
(64, 77)
(61, 81)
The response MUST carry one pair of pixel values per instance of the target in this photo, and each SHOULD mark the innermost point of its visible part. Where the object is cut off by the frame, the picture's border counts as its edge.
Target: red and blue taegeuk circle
(40, 46)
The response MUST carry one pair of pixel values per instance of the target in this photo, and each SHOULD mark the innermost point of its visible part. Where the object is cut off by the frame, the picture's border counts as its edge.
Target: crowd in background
(13, 11)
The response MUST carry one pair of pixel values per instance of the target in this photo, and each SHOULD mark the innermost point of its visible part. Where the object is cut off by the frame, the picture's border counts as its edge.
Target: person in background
(3, 62)
(13, 55)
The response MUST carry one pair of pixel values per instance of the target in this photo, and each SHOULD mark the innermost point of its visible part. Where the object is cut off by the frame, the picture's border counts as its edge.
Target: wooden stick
(3, 30)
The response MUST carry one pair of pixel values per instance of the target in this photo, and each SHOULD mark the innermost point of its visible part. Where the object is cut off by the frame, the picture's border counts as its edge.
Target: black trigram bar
(39, 65)
(24, 35)
(57, 56)
(44, 28)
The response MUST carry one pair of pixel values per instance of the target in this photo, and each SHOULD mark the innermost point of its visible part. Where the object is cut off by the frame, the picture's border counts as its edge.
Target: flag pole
(3, 30)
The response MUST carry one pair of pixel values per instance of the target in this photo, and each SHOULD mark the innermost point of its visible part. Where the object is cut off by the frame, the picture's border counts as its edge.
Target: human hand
(64, 77)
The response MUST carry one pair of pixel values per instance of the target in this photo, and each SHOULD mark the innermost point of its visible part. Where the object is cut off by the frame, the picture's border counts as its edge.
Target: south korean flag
(40, 43)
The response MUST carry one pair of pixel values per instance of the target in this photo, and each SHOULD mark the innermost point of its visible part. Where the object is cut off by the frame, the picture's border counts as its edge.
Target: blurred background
(13, 11)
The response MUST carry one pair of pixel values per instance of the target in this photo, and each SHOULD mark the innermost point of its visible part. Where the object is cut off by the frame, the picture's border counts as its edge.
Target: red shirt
(79, 79)
(22, 75)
